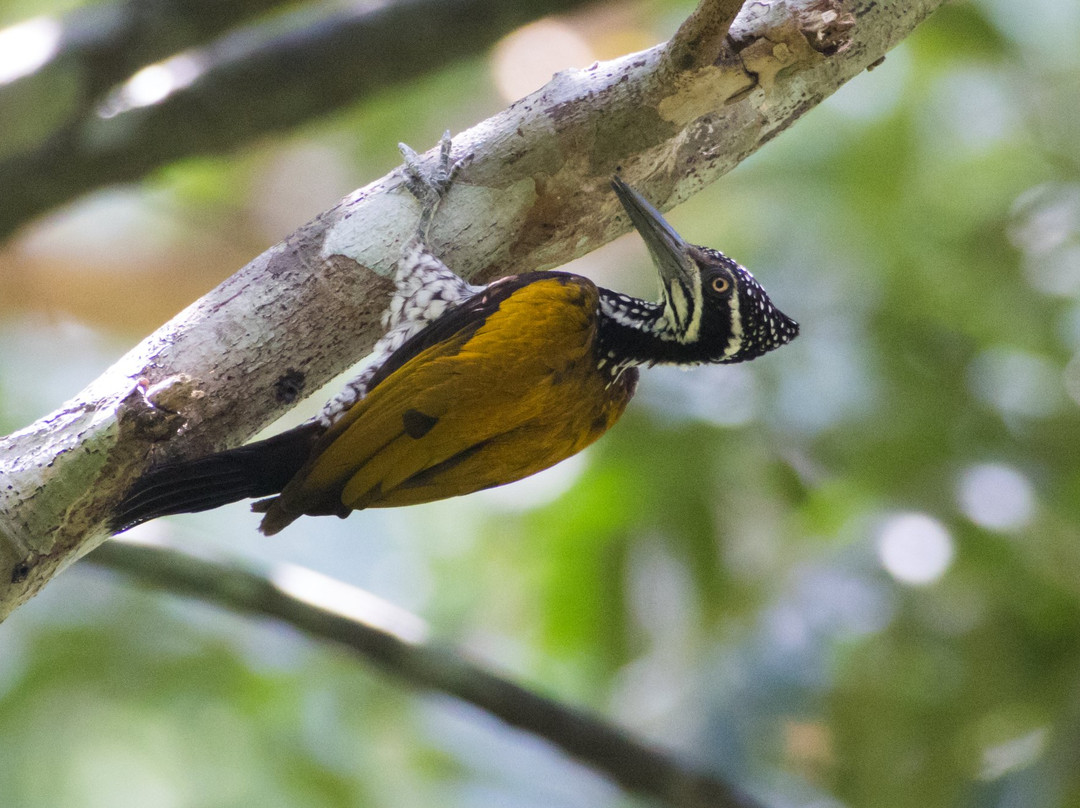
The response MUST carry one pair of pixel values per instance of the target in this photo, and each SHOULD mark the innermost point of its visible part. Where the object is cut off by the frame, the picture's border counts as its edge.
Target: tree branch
(253, 82)
(534, 196)
(701, 37)
(101, 45)
(396, 641)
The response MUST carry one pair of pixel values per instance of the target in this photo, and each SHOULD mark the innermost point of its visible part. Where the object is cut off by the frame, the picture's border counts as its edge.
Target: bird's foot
(429, 186)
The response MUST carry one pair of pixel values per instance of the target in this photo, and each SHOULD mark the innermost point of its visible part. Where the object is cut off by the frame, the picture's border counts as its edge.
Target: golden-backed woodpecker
(473, 387)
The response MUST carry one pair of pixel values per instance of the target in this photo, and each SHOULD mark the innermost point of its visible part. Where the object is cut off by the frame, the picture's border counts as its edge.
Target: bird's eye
(720, 284)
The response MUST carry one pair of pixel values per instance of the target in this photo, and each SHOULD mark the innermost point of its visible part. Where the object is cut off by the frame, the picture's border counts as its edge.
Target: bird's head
(713, 306)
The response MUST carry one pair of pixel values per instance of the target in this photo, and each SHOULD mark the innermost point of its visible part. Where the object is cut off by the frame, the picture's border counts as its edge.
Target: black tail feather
(257, 469)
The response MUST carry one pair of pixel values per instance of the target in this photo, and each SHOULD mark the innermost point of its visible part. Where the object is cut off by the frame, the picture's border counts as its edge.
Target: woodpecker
(477, 386)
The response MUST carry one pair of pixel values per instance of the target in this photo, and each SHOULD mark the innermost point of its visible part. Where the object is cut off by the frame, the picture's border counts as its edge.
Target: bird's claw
(429, 186)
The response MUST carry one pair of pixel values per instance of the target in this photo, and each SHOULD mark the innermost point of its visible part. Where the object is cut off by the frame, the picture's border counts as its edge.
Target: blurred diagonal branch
(103, 44)
(395, 641)
(257, 80)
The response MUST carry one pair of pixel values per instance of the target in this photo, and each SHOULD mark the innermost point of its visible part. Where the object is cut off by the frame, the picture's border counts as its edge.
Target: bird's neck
(636, 332)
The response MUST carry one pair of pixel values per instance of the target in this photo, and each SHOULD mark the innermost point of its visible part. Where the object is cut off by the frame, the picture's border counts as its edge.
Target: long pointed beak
(669, 251)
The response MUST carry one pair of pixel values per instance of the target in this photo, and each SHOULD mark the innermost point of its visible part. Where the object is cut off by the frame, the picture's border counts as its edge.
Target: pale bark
(671, 120)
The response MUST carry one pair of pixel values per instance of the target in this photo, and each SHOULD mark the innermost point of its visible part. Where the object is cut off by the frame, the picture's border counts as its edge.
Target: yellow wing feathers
(480, 408)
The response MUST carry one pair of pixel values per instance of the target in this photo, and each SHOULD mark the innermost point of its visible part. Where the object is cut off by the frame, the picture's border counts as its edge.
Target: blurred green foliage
(846, 574)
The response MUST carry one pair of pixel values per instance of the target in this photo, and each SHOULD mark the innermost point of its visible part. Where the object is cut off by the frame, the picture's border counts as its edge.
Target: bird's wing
(482, 396)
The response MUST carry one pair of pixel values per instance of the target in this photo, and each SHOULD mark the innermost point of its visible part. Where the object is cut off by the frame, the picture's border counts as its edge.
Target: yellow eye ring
(720, 284)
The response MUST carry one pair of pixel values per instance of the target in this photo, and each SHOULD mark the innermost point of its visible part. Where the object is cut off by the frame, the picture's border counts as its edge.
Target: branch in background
(253, 82)
(93, 49)
(395, 640)
(535, 195)
(101, 45)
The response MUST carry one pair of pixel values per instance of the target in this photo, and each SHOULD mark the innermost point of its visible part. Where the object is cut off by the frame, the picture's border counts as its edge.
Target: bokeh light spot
(539, 489)
(725, 395)
(1072, 378)
(1012, 755)
(1016, 383)
(970, 112)
(27, 46)
(154, 83)
(996, 496)
(526, 60)
(915, 548)
(1045, 226)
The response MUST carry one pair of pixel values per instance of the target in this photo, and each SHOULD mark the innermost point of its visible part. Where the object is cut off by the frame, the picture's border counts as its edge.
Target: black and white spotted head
(713, 309)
